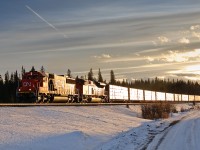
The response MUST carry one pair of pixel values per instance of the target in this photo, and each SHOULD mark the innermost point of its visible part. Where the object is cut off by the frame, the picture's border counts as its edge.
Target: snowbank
(64, 127)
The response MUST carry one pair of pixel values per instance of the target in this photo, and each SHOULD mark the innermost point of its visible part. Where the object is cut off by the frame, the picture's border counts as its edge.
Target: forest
(10, 82)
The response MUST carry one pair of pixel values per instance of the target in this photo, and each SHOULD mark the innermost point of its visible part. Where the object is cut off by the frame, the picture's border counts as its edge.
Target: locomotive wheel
(51, 98)
(40, 99)
(75, 100)
(89, 100)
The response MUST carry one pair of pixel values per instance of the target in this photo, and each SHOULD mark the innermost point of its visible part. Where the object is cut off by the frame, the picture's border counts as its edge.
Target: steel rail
(83, 104)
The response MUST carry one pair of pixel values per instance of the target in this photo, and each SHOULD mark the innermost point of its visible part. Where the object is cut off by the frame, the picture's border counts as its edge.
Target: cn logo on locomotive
(26, 83)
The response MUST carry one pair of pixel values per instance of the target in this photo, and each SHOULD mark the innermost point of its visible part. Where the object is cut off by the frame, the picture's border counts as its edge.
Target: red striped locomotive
(48, 87)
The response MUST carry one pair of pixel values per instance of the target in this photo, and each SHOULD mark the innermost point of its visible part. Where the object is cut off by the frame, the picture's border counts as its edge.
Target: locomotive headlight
(19, 90)
(29, 89)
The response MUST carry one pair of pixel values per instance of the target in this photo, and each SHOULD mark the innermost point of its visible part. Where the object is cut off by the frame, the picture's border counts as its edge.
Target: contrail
(49, 24)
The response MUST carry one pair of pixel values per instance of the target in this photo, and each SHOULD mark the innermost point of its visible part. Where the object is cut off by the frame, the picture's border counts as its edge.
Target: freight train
(38, 87)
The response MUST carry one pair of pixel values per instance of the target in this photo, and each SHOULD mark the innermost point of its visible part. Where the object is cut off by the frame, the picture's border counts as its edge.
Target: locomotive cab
(31, 85)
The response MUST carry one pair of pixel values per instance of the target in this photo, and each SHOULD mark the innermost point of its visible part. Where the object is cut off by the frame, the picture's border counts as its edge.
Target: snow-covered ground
(81, 128)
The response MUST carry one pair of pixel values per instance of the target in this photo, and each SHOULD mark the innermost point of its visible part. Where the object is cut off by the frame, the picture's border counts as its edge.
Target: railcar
(169, 97)
(117, 93)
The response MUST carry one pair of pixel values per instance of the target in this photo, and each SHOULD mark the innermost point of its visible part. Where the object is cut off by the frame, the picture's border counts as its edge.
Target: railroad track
(63, 104)
(77, 104)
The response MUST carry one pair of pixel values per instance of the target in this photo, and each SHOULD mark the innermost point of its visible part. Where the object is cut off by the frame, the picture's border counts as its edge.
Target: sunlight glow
(192, 78)
(175, 56)
(193, 68)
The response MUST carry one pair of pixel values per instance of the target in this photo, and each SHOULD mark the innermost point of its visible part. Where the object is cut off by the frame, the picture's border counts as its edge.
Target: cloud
(185, 32)
(195, 27)
(196, 34)
(163, 39)
(154, 50)
(106, 56)
(193, 68)
(103, 56)
(150, 59)
(176, 56)
(186, 73)
(192, 78)
(154, 43)
(172, 56)
(124, 59)
(195, 31)
(184, 41)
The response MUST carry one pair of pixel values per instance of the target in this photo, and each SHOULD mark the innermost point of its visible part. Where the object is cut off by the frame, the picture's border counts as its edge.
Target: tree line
(167, 86)
(8, 87)
(10, 82)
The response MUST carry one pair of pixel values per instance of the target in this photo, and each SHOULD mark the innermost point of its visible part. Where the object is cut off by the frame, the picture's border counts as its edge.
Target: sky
(136, 39)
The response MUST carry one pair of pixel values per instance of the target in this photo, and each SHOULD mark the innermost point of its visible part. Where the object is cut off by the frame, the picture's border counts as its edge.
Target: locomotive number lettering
(26, 83)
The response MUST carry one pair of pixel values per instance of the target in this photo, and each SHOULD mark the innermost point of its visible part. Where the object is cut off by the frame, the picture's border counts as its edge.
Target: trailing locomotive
(47, 87)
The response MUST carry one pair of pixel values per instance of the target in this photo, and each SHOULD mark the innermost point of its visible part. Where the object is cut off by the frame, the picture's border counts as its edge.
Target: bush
(184, 109)
(156, 110)
(173, 109)
(198, 107)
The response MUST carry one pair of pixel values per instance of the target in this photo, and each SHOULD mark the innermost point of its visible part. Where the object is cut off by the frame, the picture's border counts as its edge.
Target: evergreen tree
(82, 77)
(11, 89)
(6, 90)
(100, 78)
(1, 88)
(124, 83)
(32, 69)
(112, 77)
(1, 80)
(11, 78)
(90, 75)
(7, 78)
(16, 77)
(77, 78)
(69, 73)
(22, 71)
(42, 69)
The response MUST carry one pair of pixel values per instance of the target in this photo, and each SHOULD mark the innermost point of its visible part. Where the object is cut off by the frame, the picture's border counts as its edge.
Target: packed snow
(85, 128)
